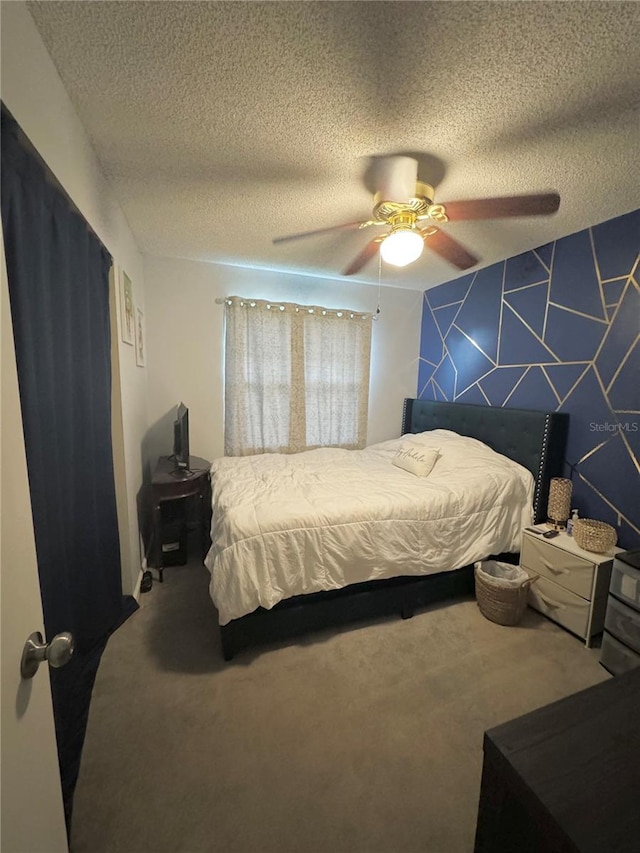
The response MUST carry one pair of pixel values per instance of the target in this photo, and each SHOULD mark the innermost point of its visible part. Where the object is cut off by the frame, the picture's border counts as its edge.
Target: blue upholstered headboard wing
(536, 440)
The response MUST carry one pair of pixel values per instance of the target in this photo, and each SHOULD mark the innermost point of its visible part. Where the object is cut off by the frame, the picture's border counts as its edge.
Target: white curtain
(296, 377)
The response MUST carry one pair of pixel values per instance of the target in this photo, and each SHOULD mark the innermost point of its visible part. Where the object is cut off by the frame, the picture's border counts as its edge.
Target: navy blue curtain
(59, 290)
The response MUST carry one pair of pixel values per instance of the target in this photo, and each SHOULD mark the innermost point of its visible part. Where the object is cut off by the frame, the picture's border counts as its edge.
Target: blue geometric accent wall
(554, 329)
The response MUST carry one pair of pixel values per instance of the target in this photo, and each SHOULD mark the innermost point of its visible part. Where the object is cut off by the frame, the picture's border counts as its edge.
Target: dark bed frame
(534, 439)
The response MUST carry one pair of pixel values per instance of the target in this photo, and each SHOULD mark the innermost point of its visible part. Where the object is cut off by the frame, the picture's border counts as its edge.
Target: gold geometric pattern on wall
(556, 329)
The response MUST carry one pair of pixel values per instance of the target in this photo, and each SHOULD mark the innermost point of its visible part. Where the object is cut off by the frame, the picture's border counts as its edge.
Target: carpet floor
(366, 740)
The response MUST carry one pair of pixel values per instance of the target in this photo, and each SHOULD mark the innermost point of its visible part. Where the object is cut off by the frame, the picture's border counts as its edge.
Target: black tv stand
(181, 473)
(169, 483)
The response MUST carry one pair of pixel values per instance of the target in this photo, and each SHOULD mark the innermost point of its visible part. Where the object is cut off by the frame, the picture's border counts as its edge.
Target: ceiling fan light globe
(402, 248)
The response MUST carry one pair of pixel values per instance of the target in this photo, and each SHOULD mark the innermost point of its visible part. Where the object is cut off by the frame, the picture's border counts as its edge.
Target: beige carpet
(367, 740)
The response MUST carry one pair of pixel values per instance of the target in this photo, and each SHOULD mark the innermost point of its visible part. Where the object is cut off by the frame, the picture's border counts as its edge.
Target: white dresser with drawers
(621, 638)
(571, 584)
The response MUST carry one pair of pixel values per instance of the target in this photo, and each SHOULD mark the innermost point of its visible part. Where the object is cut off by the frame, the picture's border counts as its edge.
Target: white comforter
(284, 525)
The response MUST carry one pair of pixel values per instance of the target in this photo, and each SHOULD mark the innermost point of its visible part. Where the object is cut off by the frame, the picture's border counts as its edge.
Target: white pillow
(416, 461)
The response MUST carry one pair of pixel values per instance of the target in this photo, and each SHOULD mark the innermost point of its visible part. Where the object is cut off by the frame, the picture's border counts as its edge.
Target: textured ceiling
(224, 124)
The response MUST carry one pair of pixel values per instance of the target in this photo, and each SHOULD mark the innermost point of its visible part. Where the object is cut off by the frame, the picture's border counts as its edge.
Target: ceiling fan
(405, 207)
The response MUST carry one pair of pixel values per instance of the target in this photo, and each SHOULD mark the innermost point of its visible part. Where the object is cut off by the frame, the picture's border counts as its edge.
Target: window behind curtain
(296, 377)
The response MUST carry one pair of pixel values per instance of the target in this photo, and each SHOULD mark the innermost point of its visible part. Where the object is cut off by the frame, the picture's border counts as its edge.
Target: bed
(330, 536)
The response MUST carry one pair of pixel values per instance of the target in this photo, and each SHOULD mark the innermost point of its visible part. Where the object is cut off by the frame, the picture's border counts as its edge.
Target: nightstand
(169, 484)
(572, 584)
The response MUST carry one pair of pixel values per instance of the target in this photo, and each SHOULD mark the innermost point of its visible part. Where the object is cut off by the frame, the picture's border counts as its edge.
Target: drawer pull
(555, 570)
(550, 602)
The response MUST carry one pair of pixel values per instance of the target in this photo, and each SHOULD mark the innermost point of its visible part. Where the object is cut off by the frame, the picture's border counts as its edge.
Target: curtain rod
(311, 309)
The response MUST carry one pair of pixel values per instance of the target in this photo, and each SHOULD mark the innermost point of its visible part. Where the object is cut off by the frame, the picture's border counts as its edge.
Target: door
(32, 814)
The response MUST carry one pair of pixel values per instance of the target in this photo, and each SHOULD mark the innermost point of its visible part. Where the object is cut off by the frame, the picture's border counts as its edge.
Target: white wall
(185, 343)
(33, 92)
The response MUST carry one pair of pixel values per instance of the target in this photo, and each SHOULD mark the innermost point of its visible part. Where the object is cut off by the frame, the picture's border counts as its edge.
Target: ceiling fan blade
(449, 249)
(342, 227)
(498, 208)
(364, 257)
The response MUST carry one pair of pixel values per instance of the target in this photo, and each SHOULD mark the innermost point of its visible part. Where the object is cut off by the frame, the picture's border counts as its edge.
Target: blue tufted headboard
(536, 440)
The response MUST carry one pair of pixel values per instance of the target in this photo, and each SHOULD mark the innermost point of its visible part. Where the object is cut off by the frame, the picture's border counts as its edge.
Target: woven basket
(501, 604)
(594, 535)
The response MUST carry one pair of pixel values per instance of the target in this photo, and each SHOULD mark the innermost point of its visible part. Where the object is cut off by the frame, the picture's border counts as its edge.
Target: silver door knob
(57, 653)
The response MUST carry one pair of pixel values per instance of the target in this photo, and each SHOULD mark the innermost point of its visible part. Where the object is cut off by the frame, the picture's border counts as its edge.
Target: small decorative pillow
(416, 460)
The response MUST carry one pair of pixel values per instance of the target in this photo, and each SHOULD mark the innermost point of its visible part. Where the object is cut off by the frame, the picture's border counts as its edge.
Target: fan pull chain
(379, 277)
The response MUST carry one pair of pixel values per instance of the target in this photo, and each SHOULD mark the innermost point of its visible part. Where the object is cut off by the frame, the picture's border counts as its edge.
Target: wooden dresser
(565, 778)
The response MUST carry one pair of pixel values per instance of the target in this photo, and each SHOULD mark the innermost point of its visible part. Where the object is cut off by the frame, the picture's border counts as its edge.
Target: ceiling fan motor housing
(403, 220)
(418, 206)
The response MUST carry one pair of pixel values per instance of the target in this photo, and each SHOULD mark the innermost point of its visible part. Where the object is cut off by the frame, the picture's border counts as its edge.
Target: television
(181, 439)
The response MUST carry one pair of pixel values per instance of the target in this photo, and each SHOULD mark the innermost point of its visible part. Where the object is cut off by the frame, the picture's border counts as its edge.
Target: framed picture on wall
(127, 311)
(141, 344)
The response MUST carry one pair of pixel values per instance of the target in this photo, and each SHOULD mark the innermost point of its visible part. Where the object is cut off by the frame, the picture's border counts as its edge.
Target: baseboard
(136, 589)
